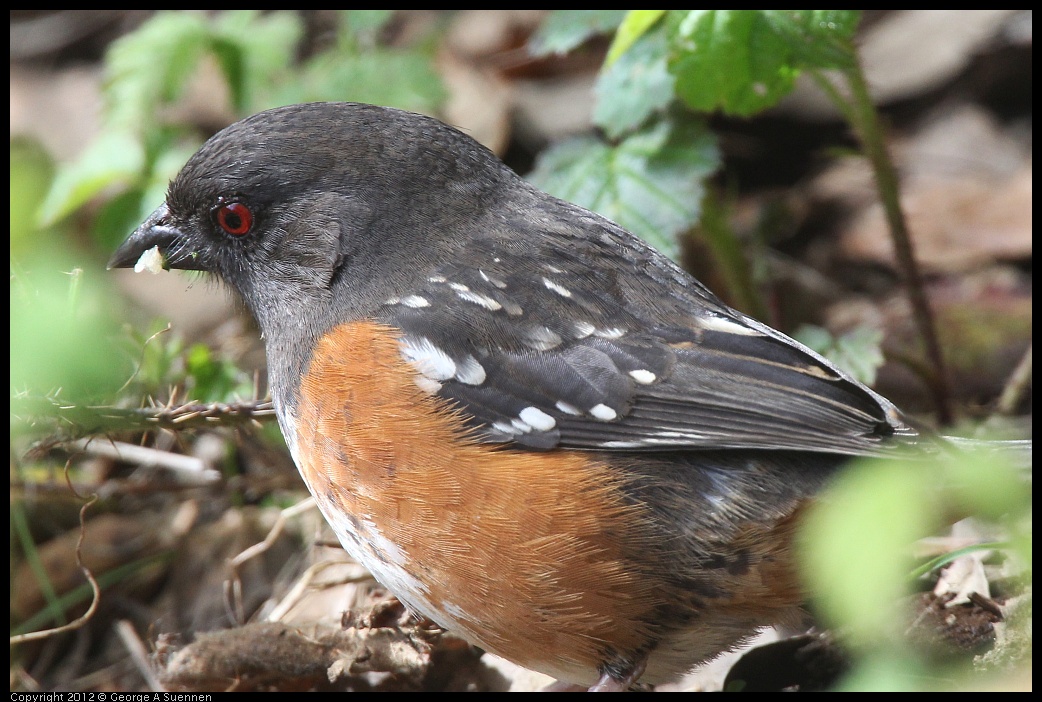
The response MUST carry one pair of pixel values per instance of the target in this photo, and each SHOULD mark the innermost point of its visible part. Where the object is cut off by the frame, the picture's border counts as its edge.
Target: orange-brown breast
(528, 554)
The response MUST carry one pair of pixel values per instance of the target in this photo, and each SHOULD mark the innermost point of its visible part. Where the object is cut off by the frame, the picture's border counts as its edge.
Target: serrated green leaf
(150, 66)
(564, 30)
(634, 87)
(255, 51)
(818, 38)
(635, 25)
(115, 159)
(730, 60)
(651, 183)
(391, 78)
(743, 61)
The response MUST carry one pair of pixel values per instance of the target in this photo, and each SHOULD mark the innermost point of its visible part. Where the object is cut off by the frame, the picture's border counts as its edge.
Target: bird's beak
(158, 232)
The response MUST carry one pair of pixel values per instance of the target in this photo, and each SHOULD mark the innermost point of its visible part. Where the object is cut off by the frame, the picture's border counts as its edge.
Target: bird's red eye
(234, 218)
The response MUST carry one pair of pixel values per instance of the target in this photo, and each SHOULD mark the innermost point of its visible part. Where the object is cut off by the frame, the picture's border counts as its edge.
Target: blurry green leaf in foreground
(651, 183)
(31, 172)
(60, 315)
(62, 333)
(114, 160)
(856, 538)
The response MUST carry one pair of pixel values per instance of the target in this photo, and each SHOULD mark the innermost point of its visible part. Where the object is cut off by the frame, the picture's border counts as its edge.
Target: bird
(532, 427)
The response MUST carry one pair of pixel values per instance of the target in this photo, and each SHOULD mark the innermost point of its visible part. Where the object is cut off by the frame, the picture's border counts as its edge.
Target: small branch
(50, 415)
(188, 469)
(1016, 387)
(138, 654)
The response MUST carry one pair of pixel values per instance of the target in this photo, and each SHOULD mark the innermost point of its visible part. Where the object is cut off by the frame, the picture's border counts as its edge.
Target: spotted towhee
(530, 426)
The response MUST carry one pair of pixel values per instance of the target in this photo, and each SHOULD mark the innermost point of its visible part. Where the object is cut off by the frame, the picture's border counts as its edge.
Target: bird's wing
(541, 350)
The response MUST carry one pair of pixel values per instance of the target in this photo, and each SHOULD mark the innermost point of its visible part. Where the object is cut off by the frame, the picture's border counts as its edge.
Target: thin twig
(870, 132)
(138, 654)
(861, 113)
(187, 468)
(74, 421)
(1016, 387)
(95, 588)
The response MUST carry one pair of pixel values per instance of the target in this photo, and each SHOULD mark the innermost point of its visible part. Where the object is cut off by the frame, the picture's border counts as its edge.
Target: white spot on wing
(559, 289)
(427, 358)
(504, 427)
(612, 333)
(415, 301)
(583, 329)
(469, 371)
(541, 338)
(721, 324)
(603, 412)
(489, 279)
(437, 279)
(622, 444)
(521, 426)
(512, 308)
(537, 418)
(567, 408)
(485, 301)
(644, 377)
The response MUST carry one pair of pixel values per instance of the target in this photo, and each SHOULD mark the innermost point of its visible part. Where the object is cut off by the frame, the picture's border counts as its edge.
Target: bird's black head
(320, 206)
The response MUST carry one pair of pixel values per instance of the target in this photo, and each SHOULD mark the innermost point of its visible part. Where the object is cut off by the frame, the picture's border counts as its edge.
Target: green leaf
(62, 327)
(32, 171)
(856, 541)
(565, 30)
(730, 60)
(214, 379)
(255, 52)
(859, 352)
(114, 159)
(364, 25)
(395, 79)
(149, 67)
(743, 61)
(637, 22)
(634, 87)
(651, 183)
(817, 38)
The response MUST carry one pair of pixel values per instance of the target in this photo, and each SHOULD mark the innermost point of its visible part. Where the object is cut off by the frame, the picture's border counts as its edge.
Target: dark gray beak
(176, 248)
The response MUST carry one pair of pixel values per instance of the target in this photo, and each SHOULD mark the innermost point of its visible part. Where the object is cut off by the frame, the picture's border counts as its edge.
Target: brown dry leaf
(956, 223)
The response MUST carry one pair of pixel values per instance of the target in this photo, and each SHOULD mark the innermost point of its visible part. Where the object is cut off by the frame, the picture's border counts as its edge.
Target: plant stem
(863, 117)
